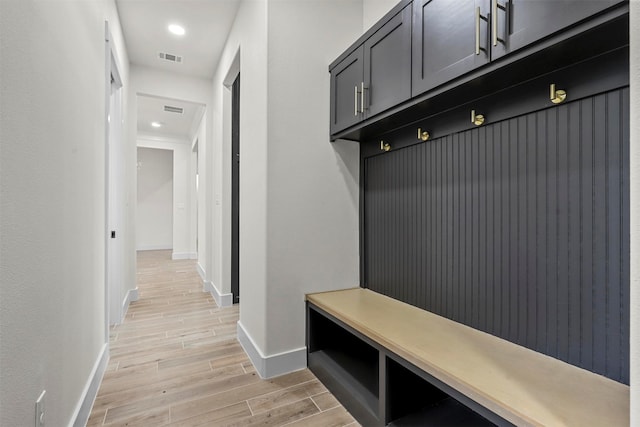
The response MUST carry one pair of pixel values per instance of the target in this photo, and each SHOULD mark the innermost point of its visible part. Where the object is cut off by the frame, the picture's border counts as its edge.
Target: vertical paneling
(623, 315)
(518, 228)
(552, 231)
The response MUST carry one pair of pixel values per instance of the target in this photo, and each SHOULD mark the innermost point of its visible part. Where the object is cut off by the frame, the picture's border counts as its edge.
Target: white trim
(234, 70)
(201, 272)
(83, 409)
(112, 77)
(223, 300)
(155, 248)
(132, 295)
(184, 255)
(276, 364)
(159, 142)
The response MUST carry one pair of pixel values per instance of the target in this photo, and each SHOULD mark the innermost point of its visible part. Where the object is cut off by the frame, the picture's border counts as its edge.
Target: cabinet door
(387, 64)
(522, 22)
(446, 35)
(346, 86)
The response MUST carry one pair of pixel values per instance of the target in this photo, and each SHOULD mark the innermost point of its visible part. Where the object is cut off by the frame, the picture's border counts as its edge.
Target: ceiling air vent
(170, 109)
(170, 57)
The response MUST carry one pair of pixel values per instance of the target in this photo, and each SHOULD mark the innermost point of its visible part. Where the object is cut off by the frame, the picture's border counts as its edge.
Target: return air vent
(170, 57)
(170, 109)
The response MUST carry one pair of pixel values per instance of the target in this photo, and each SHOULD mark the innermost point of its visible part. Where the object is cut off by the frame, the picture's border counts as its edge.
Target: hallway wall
(373, 10)
(52, 204)
(246, 45)
(298, 192)
(312, 184)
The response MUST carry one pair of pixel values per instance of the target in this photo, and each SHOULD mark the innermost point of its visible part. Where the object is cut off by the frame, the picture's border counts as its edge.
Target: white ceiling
(144, 24)
(174, 125)
(207, 24)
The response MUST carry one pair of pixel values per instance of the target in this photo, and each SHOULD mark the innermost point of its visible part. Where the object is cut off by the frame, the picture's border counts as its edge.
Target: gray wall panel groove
(517, 228)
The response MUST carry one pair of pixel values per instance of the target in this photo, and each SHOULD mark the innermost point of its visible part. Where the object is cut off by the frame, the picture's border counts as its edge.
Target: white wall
(298, 191)
(634, 163)
(373, 10)
(247, 42)
(313, 185)
(197, 198)
(52, 203)
(154, 227)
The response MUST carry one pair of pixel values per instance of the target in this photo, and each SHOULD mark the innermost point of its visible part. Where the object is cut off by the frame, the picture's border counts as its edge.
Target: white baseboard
(201, 272)
(154, 248)
(184, 255)
(132, 295)
(223, 300)
(83, 409)
(274, 365)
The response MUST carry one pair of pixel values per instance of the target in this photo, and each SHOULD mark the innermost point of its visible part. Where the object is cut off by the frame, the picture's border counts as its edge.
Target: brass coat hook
(556, 96)
(476, 119)
(423, 135)
(384, 146)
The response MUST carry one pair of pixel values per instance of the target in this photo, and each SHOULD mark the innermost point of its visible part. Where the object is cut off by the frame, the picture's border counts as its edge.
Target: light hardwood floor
(175, 361)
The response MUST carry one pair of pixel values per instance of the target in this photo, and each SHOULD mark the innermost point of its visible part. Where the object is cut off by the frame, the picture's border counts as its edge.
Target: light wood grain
(176, 361)
(522, 386)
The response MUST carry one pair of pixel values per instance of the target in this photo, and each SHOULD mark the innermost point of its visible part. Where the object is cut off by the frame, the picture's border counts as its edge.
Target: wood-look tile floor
(176, 361)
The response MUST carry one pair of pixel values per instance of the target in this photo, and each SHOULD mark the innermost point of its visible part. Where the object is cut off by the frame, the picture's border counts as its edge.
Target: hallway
(176, 361)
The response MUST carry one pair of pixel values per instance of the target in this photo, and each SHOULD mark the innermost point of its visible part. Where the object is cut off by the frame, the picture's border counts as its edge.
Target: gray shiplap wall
(518, 228)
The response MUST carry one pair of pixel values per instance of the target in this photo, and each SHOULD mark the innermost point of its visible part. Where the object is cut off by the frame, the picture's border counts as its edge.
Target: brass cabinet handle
(478, 30)
(494, 21)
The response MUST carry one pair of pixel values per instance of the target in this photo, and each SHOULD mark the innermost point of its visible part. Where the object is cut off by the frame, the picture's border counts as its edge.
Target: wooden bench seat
(521, 386)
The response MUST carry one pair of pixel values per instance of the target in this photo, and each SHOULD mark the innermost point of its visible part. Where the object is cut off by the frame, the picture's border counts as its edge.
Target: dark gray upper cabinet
(450, 38)
(346, 87)
(375, 76)
(518, 23)
(387, 64)
(453, 37)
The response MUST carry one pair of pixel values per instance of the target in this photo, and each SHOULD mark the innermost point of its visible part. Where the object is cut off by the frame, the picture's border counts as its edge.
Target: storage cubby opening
(339, 347)
(413, 401)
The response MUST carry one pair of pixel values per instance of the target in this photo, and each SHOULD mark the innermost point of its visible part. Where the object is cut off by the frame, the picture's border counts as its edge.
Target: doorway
(154, 213)
(235, 190)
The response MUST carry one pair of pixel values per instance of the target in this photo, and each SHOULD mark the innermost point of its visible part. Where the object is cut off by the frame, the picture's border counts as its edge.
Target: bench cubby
(345, 362)
(414, 401)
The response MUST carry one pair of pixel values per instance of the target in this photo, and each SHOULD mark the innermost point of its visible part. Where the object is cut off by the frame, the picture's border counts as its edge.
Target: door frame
(112, 78)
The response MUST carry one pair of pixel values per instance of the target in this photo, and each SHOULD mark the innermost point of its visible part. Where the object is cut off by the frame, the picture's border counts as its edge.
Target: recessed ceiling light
(156, 124)
(177, 29)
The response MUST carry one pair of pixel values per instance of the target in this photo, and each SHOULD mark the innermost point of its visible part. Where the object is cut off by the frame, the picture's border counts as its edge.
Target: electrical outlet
(40, 410)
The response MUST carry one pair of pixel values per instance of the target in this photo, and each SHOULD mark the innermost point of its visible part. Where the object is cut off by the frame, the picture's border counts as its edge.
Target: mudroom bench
(390, 363)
